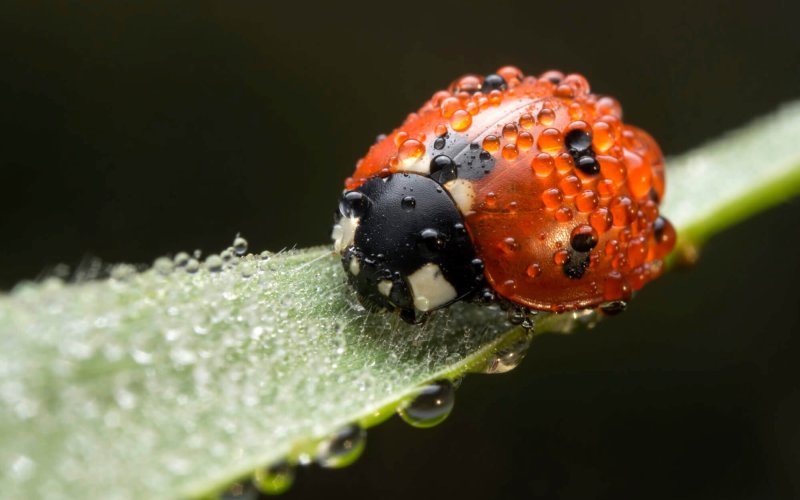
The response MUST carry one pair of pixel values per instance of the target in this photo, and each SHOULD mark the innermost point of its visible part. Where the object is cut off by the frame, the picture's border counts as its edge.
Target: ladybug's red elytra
(530, 189)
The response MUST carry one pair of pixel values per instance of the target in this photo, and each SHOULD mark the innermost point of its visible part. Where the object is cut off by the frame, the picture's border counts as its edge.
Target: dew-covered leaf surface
(168, 383)
(165, 384)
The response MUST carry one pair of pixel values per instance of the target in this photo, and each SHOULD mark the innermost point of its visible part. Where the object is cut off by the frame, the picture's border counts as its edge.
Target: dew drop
(526, 121)
(550, 141)
(509, 357)
(342, 448)
(491, 143)
(560, 257)
(192, 266)
(248, 269)
(163, 265)
(495, 97)
(552, 198)
(181, 259)
(449, 106)
(408, 202)
(213, 263)
(275, 479)
(354, 204)
(543, 164)
(570, 185)
(239, 246)
(510, 152)
(493, 82)
(431, 406)
(563, 214)
(533, 270)
(583, 238)
(461, 120)
(602, 136)
(525, 141)
(516, 315)
(586, 201)
(410, 152)
(578, 140)
(600, 220)
(430, 242)
(510, 132)
(546, 117)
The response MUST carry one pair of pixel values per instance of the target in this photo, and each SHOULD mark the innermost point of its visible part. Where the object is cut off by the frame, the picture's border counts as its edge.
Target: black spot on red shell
(588, 165)
(578, 141)
(583, 242)
(579, 145)
(575, 267)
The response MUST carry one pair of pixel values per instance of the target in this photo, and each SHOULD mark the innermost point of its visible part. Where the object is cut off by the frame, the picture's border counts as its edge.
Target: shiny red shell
(525, 215)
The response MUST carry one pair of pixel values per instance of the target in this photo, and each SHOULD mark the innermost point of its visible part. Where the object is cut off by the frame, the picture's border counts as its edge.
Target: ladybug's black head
(404, 245)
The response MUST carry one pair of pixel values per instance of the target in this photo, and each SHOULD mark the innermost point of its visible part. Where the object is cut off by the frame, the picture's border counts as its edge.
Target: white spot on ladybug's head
(429, 288)
(463, 194)
(385, 287)
(355, 266)
(344, 233)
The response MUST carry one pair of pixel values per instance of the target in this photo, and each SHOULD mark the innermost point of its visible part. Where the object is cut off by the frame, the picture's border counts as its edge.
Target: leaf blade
(166, 386)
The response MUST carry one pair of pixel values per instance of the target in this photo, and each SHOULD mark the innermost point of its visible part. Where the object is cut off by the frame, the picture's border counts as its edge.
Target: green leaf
(169, 383)
(727, 180)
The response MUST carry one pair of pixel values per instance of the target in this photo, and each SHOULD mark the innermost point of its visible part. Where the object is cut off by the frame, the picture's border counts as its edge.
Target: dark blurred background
(132, 130)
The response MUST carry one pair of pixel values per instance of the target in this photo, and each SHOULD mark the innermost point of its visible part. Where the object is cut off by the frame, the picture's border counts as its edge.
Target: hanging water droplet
(192, 266)
(431, 405)
(507, 358)
(239, 245)
(275, 479)
(343, 448)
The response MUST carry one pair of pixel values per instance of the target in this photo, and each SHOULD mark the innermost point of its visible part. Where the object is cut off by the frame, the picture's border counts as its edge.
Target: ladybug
(528, 190)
